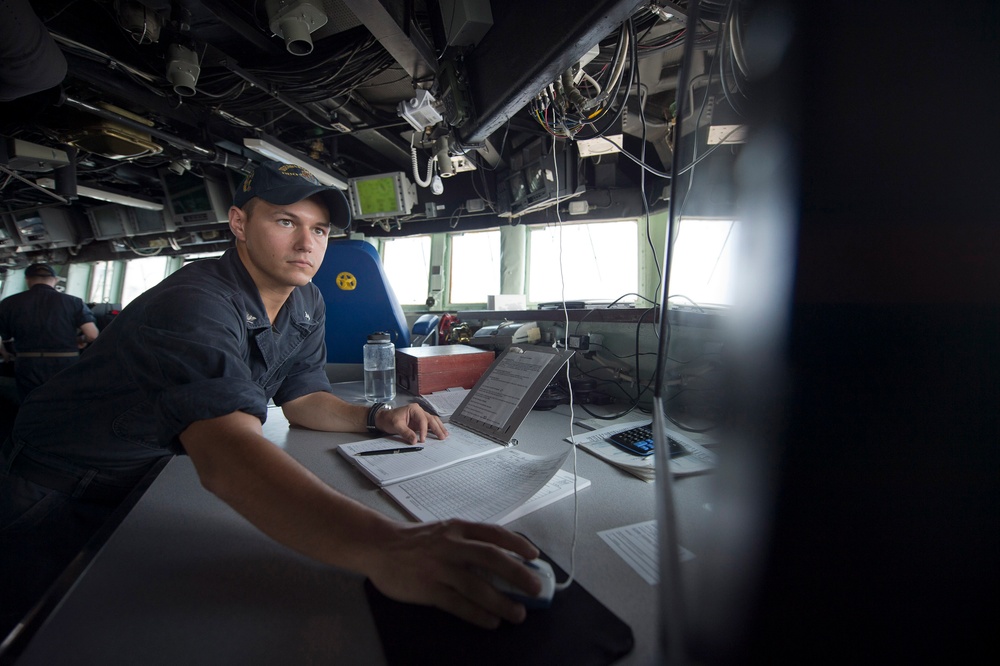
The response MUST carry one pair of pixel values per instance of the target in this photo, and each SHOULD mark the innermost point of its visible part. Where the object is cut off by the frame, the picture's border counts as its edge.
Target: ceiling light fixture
(277, 151)
(104, 195)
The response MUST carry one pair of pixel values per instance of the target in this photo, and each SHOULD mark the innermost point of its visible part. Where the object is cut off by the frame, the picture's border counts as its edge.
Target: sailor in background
(48, 328)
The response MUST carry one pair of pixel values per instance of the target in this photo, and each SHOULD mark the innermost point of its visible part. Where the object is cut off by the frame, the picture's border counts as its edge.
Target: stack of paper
(697, 460)
(443, 403)
(492, 489)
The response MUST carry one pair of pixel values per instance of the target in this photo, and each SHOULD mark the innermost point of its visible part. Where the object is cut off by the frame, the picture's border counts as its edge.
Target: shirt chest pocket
(268, 355)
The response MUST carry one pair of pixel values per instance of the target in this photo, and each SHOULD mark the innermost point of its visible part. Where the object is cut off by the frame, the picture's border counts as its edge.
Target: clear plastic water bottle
(380, 368)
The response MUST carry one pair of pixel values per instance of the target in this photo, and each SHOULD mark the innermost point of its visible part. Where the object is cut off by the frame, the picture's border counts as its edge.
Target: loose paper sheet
(637, 544)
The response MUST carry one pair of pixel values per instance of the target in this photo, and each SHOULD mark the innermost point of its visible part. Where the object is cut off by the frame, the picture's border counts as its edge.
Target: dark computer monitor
(196, 200)
(854, 508)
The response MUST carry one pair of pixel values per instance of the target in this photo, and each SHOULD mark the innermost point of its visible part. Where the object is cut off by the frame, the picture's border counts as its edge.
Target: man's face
(283, 245)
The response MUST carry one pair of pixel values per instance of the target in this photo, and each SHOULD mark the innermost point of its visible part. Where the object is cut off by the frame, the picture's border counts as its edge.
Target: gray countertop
(185, 579)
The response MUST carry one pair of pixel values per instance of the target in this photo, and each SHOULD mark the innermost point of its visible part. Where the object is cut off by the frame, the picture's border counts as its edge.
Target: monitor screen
(381, 195)
(195, 200)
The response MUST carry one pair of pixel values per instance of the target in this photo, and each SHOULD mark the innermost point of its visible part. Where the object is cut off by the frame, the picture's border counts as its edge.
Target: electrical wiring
(611, 305)
(695, 159)
(683, 426)
(454, 218)
(336, 75)
(572, 416)
(642, 154)
(688, 299)
(562, 109)
(645, 167)
(633, 399)
(731, 48)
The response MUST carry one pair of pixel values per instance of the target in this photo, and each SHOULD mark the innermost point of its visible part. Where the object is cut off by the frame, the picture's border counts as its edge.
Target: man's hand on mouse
(442, 565)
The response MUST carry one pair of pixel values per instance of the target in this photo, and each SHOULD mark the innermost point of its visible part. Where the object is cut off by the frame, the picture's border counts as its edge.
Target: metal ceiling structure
(159, 101)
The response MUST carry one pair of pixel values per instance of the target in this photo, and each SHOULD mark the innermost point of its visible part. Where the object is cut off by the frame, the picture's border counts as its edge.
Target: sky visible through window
(475, 266)
(599, 261)
(703, 261)
(407, 264)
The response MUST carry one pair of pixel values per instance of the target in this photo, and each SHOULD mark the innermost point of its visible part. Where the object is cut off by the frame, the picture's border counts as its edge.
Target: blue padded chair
(359, 301)
(425, 330)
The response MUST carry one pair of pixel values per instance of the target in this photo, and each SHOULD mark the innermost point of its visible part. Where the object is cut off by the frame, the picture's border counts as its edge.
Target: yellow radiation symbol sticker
(346, 281)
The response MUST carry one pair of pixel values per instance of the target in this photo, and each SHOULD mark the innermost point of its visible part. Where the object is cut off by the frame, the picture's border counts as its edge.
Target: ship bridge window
(140, 275)
(591, 261)
(703, 262)
(475, 267)
(407, 264)
(102, 278)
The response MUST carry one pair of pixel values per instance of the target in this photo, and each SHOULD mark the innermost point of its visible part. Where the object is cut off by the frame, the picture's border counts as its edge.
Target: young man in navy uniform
(188, 368)
(45, 325)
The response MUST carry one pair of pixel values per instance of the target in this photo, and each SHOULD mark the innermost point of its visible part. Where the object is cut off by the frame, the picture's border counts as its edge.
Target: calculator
(639, 442)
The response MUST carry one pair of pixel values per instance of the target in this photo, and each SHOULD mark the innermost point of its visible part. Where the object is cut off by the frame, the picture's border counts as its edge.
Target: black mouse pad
(576, 629)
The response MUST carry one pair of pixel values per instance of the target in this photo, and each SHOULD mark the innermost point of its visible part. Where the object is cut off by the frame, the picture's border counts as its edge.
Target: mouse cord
(576, 490)
(569, 383)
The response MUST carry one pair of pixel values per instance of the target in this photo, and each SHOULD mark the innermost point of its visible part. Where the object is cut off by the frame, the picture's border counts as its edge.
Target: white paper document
(436, 454)
(637, 544)
(443, 403)
(493, 489)
(502, 389)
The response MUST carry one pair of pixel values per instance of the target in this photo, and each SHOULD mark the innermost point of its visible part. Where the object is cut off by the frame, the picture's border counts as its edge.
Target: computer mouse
(547, 577)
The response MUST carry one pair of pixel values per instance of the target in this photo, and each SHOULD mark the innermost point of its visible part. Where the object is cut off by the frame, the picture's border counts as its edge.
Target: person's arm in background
(86, 324)
(429, 563)
(325, 411)
(88, 333)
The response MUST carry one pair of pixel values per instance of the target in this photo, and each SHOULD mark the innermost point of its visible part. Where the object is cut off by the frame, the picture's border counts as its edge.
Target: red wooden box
(423, 370)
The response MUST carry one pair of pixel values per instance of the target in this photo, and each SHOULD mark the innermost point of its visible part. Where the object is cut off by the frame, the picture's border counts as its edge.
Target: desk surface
(184, 579)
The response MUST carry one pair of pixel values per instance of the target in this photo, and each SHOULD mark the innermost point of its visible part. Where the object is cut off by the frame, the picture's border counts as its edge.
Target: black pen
(383, 452)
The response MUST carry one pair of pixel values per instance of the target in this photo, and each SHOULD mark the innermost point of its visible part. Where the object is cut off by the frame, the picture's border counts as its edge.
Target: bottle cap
(379, 337)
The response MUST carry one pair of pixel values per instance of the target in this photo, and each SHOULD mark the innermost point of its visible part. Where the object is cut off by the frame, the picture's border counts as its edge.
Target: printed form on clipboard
(483, 424)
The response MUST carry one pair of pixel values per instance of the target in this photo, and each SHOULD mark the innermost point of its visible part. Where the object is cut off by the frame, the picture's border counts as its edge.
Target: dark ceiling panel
(530, 45)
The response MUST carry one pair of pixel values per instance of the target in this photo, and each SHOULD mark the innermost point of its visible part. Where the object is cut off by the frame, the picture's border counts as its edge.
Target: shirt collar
(297, 306)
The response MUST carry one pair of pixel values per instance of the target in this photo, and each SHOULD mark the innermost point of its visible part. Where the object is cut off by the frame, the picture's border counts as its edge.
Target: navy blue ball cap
(283, 184)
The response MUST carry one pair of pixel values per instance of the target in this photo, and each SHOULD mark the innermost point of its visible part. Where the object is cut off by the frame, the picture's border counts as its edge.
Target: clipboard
(489, 412)
(483, 424)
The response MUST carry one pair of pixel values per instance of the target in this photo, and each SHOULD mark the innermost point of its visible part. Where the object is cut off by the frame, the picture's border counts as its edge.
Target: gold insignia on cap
(296, 170)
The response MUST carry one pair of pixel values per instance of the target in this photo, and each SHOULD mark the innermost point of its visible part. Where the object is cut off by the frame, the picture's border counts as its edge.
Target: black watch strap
(372, 411)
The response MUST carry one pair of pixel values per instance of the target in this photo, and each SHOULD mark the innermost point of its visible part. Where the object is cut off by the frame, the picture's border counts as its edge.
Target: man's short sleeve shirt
(43, 319)
(197, 346)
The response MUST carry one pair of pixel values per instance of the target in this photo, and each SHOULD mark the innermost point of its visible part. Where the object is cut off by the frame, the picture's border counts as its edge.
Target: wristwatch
(370, 422)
